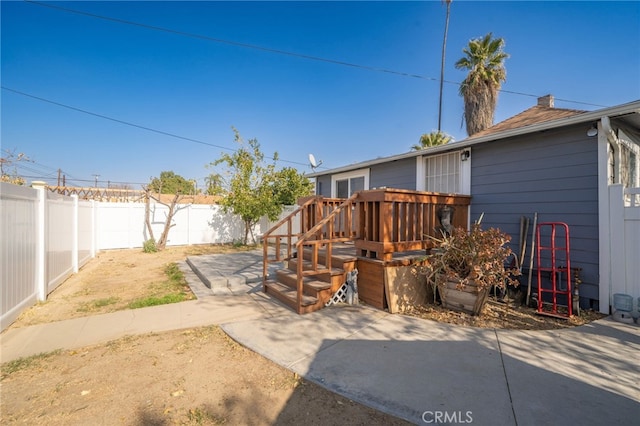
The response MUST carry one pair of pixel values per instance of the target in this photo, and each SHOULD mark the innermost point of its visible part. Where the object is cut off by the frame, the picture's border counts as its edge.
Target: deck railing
(396, 220)
(379, 222)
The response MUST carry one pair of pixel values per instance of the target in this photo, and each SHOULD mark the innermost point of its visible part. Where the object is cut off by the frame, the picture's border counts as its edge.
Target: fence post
(94, 228)
(189, 211)
(41, 247)
(76, 234)
(617, 243)
(130, 230)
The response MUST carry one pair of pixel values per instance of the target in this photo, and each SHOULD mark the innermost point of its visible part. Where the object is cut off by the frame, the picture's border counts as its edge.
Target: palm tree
(444, 48)
(434, 138)
(485, 61)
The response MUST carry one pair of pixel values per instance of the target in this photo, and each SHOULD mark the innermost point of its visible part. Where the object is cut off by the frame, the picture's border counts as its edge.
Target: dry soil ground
(197, 376)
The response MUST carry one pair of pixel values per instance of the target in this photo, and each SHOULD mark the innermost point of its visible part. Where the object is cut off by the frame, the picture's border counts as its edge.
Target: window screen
(342, 188)
(443, 173)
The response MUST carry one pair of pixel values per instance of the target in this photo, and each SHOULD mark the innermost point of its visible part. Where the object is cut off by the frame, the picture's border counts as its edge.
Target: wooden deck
(370, 231)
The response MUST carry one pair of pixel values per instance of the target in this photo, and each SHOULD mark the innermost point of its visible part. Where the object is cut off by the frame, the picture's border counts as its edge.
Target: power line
(127, 123)
(278, 51)
(33, 166)
(29, 164)
(113, 182)
(31, 169)
(233, 43)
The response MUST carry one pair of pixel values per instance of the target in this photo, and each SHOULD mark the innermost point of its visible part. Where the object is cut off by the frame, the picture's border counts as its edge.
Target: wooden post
(386, 224)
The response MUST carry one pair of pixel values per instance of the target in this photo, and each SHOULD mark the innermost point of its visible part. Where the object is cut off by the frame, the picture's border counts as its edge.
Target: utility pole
(59, 173)
(444, 49)
(96, 177)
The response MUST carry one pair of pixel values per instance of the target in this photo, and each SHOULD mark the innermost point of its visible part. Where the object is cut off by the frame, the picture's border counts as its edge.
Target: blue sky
(196, 88)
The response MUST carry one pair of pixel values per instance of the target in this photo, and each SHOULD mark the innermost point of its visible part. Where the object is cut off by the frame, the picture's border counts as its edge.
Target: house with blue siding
(559, 163)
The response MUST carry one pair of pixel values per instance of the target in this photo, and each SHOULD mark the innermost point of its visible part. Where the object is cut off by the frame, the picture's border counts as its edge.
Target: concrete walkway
(419, 370)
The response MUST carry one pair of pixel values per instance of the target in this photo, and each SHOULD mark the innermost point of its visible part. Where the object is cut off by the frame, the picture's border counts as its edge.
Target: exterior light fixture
(464, 155)
(593, 131)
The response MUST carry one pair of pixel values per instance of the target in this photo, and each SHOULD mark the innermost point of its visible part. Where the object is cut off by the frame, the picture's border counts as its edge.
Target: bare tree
(161, 243)
(9, 166)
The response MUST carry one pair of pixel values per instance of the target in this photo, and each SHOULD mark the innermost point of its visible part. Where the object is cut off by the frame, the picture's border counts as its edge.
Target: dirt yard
(192, 377)
(197, 376)
(112, 280)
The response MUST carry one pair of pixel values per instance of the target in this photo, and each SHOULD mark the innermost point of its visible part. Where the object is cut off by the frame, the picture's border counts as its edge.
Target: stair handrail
(288, 218)
(306, 239)
(269, 234)
(318, 226)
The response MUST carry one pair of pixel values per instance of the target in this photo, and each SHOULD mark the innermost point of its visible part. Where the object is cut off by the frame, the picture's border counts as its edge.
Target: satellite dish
(312, 161)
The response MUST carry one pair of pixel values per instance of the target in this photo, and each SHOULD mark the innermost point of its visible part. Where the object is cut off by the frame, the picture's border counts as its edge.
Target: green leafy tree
(215, 184)
(289, 185)
(249, 189)
(171, 183)
(484, 59)
(434, 138)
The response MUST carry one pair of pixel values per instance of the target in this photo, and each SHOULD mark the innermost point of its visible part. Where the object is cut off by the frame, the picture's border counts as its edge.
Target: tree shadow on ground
(407, 367)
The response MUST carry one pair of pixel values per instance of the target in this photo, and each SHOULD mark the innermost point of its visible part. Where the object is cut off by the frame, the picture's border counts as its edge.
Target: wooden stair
(318, 286)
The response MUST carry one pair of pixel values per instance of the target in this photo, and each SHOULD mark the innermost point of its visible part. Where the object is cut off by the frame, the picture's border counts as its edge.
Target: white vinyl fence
(19, 243)
(121, 225)
(624, 237)
(46, 237)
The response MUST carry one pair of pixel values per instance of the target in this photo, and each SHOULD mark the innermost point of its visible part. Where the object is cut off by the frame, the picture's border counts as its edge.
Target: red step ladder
(553, 256)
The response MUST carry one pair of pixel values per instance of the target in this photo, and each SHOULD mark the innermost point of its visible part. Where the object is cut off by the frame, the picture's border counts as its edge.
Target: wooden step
(336, 276)
(288, 296)
(307, 268)
(338, 259)
(311, 286)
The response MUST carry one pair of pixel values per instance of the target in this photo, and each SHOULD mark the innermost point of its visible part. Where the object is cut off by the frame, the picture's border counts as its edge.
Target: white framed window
(448, 173)
(344, 185)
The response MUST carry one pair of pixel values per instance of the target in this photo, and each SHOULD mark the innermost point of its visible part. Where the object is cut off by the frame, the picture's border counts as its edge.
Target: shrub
(149, 246)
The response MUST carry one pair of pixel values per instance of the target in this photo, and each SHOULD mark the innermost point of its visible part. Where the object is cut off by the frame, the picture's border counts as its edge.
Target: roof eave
(552, 124)
(631, 107)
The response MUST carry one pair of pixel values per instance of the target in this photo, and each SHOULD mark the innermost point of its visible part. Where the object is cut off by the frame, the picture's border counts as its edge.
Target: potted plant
(465, 265)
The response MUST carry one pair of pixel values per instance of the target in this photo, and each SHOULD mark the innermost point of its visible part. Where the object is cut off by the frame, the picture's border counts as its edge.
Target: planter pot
(469, 299)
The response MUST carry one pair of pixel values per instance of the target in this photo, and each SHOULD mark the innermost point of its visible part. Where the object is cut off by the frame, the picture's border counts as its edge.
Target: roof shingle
(533, 115)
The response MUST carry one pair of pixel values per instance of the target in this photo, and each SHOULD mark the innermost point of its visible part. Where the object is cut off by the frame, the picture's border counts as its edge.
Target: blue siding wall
(553, 173)
(400, 174)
